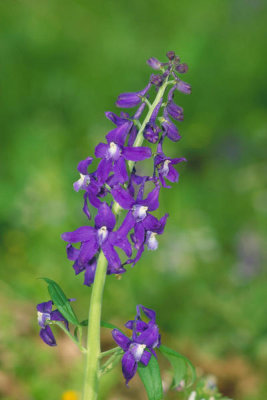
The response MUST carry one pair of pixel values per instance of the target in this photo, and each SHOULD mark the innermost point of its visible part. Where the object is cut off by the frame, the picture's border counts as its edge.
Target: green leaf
(182, 367)
(109, 325)
(150, 376)
(61, 301)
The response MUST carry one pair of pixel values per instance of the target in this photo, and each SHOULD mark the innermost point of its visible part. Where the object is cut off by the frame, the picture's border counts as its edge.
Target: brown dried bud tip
(170, 55)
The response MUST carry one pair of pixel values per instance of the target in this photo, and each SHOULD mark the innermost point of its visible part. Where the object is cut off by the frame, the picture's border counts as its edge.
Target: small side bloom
(140, 347)
(44, 315)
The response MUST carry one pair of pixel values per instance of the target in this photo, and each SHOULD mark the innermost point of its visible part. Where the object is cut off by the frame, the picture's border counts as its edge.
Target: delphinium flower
(45, 314)
(125, 198)
(140, 347)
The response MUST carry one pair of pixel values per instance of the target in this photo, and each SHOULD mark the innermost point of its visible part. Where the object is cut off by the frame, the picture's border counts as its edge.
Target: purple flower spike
(145, 338)
(183, 87)
(154, 63)
(131, 99)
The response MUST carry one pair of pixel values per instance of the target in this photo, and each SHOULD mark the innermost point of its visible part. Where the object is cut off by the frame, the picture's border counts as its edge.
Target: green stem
(90, 388)
(108, 352)
(140, 138)
(78, 343)
(91, 378)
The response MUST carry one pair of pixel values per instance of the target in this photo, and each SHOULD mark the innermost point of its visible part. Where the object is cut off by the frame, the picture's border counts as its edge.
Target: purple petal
(89, 274)
(151, 223)
(85, 206)
(121, 340)
(92, 196)
(132, 136)
(162, 223)
(80, 235)
(138, 325)
(83, 165)
(47, 336)
(171, 130)
(129, 366)
(172, 175)
(175, 111)
(78, 267)
(145, 357)
(45, 307)
(105, 217)
(57, 316)
(152, 200)
(115, 118)
(147, 311)
(139, 253)
(139, 111)
(126, 226)
(122, 242)
(136, 153)
(72, 253)
(131, 99)
(139, 234)
(128, 100)
(150, 337)
(183, 87)
(88, 250)
(119, 134)
(103, 170)
(111, 255)
(120, 170)
(123, 197)
(154, 63)
(101, 150)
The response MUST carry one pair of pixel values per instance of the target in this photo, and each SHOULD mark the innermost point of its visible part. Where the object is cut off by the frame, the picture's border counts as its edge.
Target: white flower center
(102, 233)
(152, 242)
(140, 211)
(41, 316)
(113, 148)
(137, 350)
(165, 167)
(84, 179)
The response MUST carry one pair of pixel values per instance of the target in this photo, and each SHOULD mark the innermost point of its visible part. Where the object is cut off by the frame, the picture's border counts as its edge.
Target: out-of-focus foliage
(62, 65)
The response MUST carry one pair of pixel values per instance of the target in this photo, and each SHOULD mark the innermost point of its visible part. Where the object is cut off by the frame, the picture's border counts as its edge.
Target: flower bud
(182, 68)
(170, 55)
(154, 63)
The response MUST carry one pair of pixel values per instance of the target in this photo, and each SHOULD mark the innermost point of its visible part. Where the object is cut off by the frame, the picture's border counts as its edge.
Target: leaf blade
(61, 301)
(150, 376)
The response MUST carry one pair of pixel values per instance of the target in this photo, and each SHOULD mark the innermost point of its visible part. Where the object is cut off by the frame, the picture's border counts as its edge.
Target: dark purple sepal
(131, 99)
(47, 336)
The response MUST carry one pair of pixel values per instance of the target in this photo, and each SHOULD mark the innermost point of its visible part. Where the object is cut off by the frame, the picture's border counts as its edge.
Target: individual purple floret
(138, 216)
(183, 87)
(154, 63)
(169, 127)
(45, 314)
(145, 338)
(102, 237)
(150, 240)
(131, 99)
(114, 155)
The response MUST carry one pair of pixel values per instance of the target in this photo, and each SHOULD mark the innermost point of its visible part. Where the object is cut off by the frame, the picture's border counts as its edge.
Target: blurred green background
(62, 65)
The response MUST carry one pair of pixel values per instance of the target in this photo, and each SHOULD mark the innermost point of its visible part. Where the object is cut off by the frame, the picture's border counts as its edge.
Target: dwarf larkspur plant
(118, 187)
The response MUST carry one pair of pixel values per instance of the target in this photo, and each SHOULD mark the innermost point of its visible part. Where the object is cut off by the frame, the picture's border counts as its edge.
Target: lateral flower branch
(117, 184)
